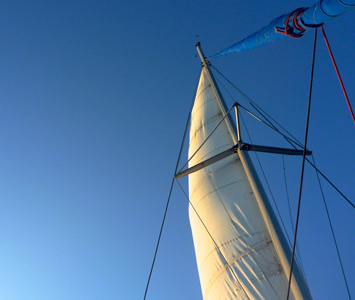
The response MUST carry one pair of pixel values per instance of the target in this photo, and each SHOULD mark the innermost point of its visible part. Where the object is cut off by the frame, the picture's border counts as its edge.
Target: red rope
(336, 69)
(295, 22)
(288, 30)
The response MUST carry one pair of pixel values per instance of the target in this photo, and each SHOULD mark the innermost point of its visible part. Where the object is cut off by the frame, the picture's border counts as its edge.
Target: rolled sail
(239, 253)
(293, 24)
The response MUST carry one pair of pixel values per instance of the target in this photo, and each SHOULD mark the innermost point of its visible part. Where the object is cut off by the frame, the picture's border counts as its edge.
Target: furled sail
(294, 24)
(240, 249)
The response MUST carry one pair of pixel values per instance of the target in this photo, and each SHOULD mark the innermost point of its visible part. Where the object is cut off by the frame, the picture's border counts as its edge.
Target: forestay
(238, 254)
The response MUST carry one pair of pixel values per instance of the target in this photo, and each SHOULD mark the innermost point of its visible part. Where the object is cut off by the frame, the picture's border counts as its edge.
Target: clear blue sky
(94, 100)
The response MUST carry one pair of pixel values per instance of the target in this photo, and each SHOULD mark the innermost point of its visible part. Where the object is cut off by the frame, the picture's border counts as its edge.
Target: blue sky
(94, 100)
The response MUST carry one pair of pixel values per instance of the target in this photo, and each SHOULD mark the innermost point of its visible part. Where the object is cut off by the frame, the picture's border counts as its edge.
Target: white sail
(238, 252)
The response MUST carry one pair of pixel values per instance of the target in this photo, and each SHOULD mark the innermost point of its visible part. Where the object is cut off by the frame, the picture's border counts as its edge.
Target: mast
(298, 285)
(221, 103)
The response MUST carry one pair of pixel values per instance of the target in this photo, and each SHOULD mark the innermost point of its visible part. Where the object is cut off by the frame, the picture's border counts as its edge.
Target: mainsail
(240, 248)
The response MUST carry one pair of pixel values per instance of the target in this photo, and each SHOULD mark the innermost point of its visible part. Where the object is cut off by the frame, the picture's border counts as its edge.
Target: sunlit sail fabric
(235, 252)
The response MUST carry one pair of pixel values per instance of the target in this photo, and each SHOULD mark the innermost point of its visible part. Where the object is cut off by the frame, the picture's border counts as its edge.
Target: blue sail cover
(293, 24)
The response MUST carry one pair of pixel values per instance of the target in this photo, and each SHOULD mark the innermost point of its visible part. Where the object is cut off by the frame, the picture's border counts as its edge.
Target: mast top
(202, 56)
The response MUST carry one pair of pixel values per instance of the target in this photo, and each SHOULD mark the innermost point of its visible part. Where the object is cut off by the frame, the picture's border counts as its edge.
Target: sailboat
(241, 249)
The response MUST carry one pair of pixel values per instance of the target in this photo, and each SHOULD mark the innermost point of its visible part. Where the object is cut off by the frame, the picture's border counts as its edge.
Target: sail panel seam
(204, 124)
(223, 246)
(206, 177)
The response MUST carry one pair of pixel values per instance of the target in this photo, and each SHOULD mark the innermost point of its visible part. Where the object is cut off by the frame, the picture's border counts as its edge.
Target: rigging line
(257, 107)
(331, 228)
(215, 243)
(206, 139)
(288, 139)
(288, 198)
(188, 119)
(160, 233)
(330, 183)
(246, 97)
(339, 77)
(272, 196)
(262, 121)
(292, 142)
(291, 219)
(168, 201)
(303, 163)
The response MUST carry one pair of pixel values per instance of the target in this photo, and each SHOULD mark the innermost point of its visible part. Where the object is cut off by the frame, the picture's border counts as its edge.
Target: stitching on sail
(204, 124)
(232, 260)
(194, 112)
(223, 245)
(213, 191)
(204, 178)
(202, 88)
